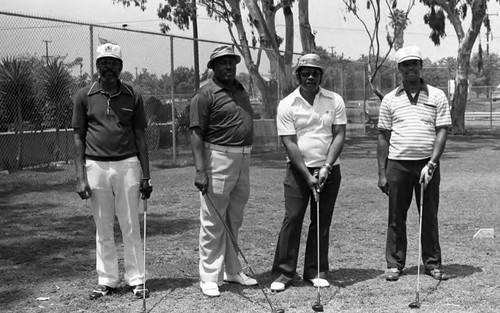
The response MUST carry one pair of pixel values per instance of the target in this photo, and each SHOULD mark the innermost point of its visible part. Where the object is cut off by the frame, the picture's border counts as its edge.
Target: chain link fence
(47, 60)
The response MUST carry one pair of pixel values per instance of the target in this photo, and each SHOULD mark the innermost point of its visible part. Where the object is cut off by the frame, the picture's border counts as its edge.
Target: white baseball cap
(109, 50)
(408, 53)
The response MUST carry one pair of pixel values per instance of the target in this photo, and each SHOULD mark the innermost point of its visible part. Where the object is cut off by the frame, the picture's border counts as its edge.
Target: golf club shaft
(318, 246)
(235, 244)
(144, 255)
(420, 236)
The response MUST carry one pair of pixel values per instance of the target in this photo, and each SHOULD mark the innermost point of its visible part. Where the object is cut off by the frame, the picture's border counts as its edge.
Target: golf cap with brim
(408, 53)
(222, 51)
(309, 60)
(109, 50)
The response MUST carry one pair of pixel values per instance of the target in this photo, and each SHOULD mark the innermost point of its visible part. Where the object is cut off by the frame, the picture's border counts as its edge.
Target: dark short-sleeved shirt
(225, 115)
(108, 122)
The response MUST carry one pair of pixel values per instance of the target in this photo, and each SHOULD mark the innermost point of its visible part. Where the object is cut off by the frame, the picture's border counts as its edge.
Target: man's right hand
(382, 184)
(201, 181)
(83, 188)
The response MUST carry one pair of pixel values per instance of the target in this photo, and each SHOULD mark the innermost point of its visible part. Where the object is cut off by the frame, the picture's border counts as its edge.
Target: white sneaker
(240, 278)
(209, 288)
(321, 282)
(277, 286)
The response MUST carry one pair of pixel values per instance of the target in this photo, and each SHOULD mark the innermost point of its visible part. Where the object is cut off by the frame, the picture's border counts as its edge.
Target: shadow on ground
(454, 270)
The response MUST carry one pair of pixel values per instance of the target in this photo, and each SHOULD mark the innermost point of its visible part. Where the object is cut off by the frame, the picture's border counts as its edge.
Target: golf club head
(414, 305)
(317, 307)
(279, 311)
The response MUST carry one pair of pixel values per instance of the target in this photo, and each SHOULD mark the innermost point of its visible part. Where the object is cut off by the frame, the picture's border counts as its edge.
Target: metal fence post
(174, 141)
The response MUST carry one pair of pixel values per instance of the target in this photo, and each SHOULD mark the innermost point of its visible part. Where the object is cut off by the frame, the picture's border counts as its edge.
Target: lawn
(47, 245)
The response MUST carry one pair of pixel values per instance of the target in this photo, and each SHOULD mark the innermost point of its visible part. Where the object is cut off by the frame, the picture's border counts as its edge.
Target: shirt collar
(221, 86)
(96, 88)
(423, 87)
(321, 92)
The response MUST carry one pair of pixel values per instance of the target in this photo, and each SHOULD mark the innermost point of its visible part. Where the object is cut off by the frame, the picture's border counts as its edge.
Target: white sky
(335, 29)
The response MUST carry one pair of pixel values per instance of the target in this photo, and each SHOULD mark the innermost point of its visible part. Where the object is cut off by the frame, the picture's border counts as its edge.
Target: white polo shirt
(413, 126)
(311, 124)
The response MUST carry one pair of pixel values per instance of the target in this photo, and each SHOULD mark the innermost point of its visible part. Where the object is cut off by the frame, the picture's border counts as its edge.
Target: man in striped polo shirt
(413, 124)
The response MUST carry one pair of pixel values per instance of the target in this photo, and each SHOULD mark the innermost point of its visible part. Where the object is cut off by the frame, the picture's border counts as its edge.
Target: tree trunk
(458, 106)
(306, 36)
(466, 41)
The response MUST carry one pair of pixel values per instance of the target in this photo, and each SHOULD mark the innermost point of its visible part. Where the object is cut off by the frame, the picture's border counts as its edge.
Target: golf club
(318, 307)
(416, 304)
(144, 240)
(235, 244)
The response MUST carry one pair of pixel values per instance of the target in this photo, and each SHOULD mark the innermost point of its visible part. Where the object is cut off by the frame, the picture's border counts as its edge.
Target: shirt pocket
(427, 113)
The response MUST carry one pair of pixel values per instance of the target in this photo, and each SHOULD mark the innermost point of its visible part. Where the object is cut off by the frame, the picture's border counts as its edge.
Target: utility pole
(47, 50)
(331, 49)
(194, 19)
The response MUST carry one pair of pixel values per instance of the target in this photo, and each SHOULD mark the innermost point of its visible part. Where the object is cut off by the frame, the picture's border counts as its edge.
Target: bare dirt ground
(47, 247)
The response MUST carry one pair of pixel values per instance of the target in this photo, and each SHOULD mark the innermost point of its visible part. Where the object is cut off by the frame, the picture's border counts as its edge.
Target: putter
(416, 304)
(318, 307)
(235, 244)
(144, 229)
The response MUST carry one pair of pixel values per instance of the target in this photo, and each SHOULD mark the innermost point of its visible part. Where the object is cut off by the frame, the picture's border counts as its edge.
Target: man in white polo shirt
(413, 123)
(311, 123)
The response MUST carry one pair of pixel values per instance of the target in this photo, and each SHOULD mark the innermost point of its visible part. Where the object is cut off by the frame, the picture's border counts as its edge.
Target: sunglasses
(307, 74)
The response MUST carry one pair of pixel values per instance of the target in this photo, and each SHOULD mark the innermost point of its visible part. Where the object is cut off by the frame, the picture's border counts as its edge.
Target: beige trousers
(229, 190)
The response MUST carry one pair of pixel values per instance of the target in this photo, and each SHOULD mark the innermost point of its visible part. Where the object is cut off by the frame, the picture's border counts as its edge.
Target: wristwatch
(148, 180)
(328, 167)
(432, 167)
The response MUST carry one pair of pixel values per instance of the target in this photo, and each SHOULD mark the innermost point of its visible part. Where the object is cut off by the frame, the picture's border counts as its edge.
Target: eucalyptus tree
(260, 23)
(459, 13)
(394, 38)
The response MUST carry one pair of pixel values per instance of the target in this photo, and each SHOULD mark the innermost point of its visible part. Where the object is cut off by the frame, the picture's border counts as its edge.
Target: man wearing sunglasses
(311, 122)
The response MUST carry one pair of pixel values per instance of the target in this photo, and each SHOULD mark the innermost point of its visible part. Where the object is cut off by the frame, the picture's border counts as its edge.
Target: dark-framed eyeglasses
(307, 74)
(109, 62)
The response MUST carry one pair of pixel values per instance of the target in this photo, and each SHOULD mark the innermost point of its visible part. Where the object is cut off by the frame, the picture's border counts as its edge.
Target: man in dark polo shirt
(112, 168)
(221, 137)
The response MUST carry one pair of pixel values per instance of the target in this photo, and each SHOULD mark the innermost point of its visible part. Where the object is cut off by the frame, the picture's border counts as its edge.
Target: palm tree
(16, 97)
(57, 82)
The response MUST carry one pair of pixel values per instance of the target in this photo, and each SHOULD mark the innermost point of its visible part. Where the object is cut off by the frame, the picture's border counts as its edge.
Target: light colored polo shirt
(413, 126)
(311, 124)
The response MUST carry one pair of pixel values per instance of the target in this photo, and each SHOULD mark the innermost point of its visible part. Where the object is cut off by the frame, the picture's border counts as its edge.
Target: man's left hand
(322, 177)
(146, 189)
(426, 175)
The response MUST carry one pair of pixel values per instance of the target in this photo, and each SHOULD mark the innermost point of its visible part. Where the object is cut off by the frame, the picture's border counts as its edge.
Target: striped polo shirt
(413, 126)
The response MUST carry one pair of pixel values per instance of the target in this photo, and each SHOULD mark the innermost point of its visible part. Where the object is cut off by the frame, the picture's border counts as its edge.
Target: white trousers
(115, 191)
(229, 190)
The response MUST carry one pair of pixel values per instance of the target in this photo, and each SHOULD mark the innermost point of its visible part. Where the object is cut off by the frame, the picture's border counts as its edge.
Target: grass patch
(47, 246)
